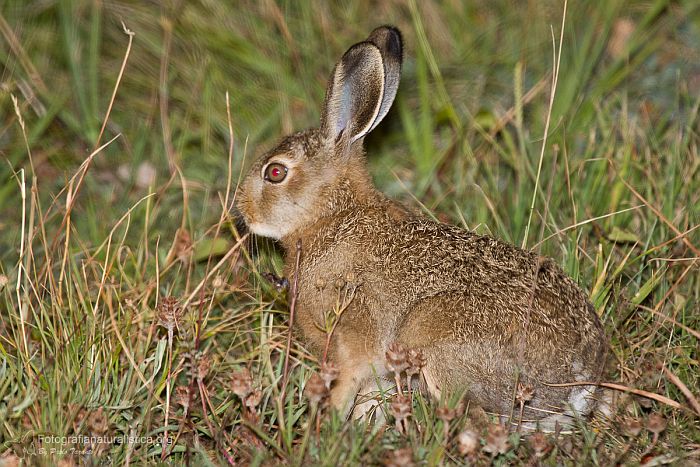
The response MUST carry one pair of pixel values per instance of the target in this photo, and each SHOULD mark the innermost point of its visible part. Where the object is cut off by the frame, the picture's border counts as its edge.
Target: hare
(487, 316)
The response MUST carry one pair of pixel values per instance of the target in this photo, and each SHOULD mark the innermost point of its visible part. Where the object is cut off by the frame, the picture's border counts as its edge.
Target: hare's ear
(388, 40)
(362, 86)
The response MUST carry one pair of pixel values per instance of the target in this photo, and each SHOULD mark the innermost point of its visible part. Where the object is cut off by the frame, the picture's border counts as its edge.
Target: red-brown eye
(275, 173)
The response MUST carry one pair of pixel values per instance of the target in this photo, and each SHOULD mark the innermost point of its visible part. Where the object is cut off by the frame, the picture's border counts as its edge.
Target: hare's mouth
(265, 230)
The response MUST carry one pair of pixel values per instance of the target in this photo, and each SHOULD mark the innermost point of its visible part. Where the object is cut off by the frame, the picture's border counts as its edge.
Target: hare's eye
(275, 173)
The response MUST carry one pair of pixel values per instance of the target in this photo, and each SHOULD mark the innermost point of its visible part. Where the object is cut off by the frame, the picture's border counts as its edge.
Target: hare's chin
(264, 230)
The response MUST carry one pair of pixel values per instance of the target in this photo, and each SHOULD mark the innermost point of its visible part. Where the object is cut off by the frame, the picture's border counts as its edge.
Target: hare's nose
(239, 222)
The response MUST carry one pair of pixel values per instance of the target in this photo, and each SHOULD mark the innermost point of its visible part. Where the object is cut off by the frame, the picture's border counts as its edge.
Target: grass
(90, 347)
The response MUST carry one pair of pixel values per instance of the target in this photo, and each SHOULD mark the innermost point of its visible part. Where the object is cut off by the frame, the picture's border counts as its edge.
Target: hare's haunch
(486, 315)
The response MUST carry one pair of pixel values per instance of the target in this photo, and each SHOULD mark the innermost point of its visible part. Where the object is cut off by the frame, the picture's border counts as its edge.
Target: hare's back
(426, 259)
(465, 286)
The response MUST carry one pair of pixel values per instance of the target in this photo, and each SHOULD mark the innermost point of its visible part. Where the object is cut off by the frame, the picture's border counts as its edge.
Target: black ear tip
(389, 28)
(396, 39)
(388, 38)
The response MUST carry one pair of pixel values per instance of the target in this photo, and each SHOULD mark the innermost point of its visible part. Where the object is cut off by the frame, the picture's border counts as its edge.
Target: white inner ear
(362, 132)
(344, 108)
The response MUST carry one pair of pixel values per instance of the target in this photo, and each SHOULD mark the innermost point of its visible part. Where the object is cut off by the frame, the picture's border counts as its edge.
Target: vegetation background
(128, 306)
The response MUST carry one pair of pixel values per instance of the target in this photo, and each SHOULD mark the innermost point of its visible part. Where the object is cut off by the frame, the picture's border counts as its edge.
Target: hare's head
(293, 184)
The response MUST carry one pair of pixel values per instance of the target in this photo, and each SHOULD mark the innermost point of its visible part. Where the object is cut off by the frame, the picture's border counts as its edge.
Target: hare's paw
(352, 372)
(369, 400)
(356, 373)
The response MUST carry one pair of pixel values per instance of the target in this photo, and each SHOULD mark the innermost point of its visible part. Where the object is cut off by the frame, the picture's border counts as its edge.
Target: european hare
(484, 313)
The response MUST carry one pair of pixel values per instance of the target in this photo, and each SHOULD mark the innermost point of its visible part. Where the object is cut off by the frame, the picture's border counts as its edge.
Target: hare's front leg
(356, 368)
(343, 393)
(350, 379)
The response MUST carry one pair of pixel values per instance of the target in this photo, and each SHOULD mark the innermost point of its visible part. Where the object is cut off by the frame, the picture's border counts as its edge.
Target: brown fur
(485, 313)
